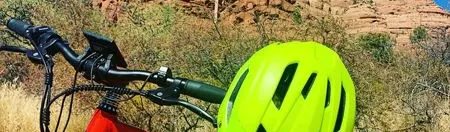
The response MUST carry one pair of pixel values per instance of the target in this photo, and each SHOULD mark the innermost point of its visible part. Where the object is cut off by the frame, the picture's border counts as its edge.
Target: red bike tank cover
(106, 122)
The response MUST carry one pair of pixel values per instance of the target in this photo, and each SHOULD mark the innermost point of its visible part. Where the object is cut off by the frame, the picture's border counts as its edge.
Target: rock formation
(110, 7)
(396, 17)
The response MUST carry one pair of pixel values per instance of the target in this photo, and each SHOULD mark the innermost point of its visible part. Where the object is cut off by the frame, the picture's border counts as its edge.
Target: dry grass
(20, 111)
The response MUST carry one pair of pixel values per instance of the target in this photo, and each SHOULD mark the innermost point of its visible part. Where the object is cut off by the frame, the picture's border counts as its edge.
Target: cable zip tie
(48, 78)
(46, 117)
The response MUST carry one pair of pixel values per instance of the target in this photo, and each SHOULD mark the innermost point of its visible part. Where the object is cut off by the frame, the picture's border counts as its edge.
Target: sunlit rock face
(396, 17)
(109, 7)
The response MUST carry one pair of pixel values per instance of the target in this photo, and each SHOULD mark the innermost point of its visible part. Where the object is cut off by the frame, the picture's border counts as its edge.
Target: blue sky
(443, 4)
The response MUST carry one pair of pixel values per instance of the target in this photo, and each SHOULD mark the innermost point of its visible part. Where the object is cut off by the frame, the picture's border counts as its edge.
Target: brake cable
(44, 118)
(82, 61)
(140, 89)
(73, 90)
(92, 83)
(91, 77)
(80, 88)
(126, 99)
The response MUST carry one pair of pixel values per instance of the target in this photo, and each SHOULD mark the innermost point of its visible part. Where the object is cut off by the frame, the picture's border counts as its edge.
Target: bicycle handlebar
(191, 88)
(18, 26)
(13, 49)
(203, 91)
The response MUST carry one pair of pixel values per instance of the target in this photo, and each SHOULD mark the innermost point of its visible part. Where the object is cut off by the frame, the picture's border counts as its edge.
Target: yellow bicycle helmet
(294, 86)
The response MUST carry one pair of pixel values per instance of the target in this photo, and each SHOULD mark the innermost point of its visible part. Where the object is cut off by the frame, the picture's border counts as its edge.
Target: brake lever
(31, 54)
(13, 49)
(198, 111)
(34, 56)
(169, 96)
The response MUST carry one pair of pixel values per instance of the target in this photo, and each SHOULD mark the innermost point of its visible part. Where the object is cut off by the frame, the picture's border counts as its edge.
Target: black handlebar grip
(18, 26)
(204, 91)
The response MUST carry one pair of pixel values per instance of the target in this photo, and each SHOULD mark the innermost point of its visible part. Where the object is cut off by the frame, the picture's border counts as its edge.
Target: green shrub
(436, 45)
(327, 30)
(13, 66)
(419, 34)
(379, 45)
(400, 96)
(297, 16)
(20, 9)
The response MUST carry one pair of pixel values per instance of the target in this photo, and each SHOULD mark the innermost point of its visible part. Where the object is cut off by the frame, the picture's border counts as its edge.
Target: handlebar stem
(68, 53)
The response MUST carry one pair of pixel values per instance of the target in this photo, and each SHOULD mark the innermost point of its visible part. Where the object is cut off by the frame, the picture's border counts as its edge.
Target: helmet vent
(284, 84)
(261, 128)
(308, 85)
(327, 99)
(340, 116)
(234, 93)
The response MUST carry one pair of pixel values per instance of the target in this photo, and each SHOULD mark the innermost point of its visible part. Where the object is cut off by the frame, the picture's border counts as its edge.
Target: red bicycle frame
(103, 121)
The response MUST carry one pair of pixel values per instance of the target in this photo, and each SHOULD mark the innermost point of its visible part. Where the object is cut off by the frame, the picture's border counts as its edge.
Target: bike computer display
(105, 46)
